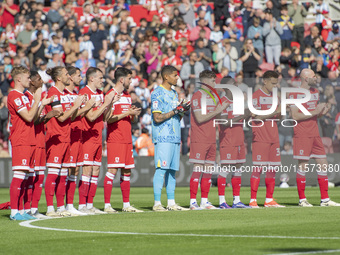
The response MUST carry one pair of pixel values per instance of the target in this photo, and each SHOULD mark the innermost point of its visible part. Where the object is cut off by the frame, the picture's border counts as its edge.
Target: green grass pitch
(234, 231)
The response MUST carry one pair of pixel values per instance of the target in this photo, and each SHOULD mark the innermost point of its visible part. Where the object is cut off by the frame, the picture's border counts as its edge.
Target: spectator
(229, 57)
(191, 69)
(314, 33)
(71, 27)
(255, 33)
(221, 12)
(319, 7)
(233, 33)
(153, 57)
(327, 121)
(71, 48)
(248, 15)
(203, 53)
(141, 30)
(194, 34)
(3, 118)
(38, 47)
(87, 45)
(250, 57)
(184, 43)
(54, 48)
(287, 149)
(326, 25)
(287, 25)
(84, 62)
(147, 120)
(53, 15)
(135, 135)
(119, 6)
(334, 34)
(272, 31)
(216, 35)
(135, 100)
(4, 81)
(8, 10)
(24, 61)
(298, 13)
(306, 58)
(98, 38)
(187, 10)
(39, 28)
(55, 61)
(24, 37)
(86, 18)
(319, 68)
(144, 145)
(143, 94)
(168, 41)
(172, 59)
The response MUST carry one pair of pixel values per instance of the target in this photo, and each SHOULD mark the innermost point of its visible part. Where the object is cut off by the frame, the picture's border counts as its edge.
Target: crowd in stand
(233, 38)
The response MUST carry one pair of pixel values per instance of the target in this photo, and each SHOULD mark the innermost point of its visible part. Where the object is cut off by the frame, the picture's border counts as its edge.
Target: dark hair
(228, 80)
(270, 74)
(145, 131)
(55, 72)
(72, 70)
(33, 74)
(167, 70)
(121, 72)
(91, 72)
(206, 74)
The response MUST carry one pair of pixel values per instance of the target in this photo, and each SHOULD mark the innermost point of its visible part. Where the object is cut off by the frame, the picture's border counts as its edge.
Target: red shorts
(23, 158)
(266, 153)
(120, 155)
(76, 154)
(202, 153)
(58, 155)
(233, 154)
(92, 154)
(40, 159)
(306, 148)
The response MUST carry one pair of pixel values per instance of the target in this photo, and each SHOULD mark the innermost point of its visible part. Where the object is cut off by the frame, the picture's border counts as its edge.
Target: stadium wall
(142, 175)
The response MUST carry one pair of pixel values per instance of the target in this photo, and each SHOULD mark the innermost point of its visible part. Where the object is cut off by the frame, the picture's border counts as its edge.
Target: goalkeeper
(166, 135)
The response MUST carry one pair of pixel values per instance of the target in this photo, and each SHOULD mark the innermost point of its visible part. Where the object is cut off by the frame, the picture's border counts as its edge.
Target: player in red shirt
(92, 138)
(232, 150)
(266, 145)
(58, 141)
(203, 139)
(36, 178)
(76, 133)
(21, 117)
(119, 141)
(307, 143)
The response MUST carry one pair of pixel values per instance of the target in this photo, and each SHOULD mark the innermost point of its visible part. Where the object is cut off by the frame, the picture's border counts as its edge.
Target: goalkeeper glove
(182, 107)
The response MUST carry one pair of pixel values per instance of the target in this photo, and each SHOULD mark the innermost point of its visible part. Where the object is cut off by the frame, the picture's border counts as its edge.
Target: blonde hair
(17, 70)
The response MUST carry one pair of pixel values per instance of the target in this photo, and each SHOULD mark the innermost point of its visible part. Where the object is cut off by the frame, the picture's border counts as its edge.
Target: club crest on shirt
(195, 102)
(56, 159)
(198, 155)
(117, 159)
(155, 105)
(254, 101)
(228, 156)
(24, 162)
(258, 157)
(86, 156)
(164, 163)
(17, 101)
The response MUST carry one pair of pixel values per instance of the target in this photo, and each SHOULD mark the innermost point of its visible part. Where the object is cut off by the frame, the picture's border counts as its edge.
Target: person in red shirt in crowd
(307, 142)
(182, 31)
(8, 10)
(22, 115)
(203, 139)
(184, 43)
(58, 141)
(76, 132)
(36, 178)
(266, 145)
(172, 59)
(92, 138)
(119, 141)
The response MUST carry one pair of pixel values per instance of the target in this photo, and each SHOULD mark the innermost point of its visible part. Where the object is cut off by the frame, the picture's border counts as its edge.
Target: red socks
(205, 185)
(255, 181)
(61, 187)
(70, 188)
(108, 183)
(236, 184)
(84, 186)
(323, 184)
(301, 183)
(50, 184)
(270, 183)
(221, 182)
(28, 191)
(92, 189)
(194, 180)
(15, 188)
(37, 188)
(125, 187)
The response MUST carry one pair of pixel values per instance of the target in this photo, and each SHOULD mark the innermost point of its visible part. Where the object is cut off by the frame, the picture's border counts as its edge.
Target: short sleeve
(196, 102)
(18, 104)
(156, 103)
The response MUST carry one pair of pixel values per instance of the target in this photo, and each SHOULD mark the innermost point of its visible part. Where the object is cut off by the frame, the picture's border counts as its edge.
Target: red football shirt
(268, 133)
(39, 129)
(230, 136)
(92, 131)
(21, 131)
(76, 124)
(120, 131)
(58, 132)
(309, 127)
(7, 17)
(203, 132)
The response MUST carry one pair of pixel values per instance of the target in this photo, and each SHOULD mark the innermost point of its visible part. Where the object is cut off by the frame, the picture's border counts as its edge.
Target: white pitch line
(28, 225)
(307, 252)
